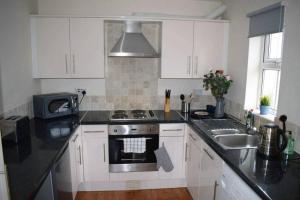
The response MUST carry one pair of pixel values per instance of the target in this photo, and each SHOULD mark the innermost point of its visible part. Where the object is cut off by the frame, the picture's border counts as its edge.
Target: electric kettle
(272, 139)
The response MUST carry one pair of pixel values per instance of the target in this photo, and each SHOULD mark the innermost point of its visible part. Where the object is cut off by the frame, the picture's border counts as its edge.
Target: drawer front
(171, 130)
(95, 130)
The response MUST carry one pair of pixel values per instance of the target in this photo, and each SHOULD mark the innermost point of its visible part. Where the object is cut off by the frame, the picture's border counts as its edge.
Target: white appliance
(4, 194)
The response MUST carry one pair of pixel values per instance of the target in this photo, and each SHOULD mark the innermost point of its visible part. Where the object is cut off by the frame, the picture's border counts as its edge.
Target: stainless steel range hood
(133, 43)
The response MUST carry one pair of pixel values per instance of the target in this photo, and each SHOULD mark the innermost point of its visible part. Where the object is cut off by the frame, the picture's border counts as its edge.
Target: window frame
(268, 64)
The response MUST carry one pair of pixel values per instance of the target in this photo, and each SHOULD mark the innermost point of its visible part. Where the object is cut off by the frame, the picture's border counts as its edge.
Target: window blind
(267, 20)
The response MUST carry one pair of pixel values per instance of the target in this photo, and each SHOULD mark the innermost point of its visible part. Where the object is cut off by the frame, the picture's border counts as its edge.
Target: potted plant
(265, 102)
(219, 84)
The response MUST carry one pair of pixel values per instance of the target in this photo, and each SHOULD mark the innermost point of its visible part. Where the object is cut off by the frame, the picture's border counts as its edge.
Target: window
(271, 68)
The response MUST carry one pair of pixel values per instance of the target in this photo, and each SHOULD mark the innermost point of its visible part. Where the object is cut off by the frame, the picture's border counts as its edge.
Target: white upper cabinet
(177, 49)
(50, 45)
(210, 47)
(87, 47)
(191, 48)
(67, 47)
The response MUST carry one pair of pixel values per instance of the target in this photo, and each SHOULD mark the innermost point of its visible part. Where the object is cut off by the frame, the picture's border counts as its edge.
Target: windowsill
(270, 117)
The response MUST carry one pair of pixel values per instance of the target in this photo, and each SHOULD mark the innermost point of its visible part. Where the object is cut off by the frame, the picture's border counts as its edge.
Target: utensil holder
(185, 107)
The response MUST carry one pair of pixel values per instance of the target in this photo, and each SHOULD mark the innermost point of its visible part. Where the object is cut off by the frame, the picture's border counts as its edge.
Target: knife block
(167, 105)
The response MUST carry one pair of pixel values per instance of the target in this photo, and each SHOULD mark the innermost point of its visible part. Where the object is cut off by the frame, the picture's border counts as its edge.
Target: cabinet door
(193, 168)
(175, 149)
(210, 172)
(87, 47)
(95, 158)
(177, 49)
(51, 50)
(210, 47)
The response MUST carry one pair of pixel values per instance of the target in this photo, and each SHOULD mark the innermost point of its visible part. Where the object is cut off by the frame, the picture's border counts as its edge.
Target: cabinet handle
(206, 151)
(196, 65)
(79, 149)
(74, 65)
(66, 59)
(104, 153)
(76, 136)
(166, 130)
(186, 147)
(93, 131)
(192, 137)
(215, 190)
(189, 64)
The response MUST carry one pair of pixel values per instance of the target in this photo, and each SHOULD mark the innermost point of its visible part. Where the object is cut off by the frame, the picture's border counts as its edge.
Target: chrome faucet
(250, 122)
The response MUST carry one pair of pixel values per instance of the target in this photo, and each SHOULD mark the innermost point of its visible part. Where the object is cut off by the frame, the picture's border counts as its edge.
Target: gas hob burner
(140, 116)
(119, 116)
(120, 112)
(138, 112)
(123, 115)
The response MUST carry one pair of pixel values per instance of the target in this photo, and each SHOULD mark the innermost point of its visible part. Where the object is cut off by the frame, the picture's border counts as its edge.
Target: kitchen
(66, 46)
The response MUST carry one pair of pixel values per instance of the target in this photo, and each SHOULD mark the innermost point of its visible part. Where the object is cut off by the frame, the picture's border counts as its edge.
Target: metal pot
(272, 140)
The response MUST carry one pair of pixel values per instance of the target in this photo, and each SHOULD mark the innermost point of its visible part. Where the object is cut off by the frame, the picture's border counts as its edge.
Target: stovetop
(123, 115)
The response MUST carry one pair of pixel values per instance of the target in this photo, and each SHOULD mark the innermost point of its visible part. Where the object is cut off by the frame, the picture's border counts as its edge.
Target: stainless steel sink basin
(237, 141)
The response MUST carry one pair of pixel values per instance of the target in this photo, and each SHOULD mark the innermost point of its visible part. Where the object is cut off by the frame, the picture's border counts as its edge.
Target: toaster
(15, 129)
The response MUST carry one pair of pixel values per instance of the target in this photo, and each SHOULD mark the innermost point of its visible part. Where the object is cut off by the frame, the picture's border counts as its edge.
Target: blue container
(264, 110)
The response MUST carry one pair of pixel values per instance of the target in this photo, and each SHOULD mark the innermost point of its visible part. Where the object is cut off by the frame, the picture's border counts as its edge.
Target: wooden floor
(159, 194)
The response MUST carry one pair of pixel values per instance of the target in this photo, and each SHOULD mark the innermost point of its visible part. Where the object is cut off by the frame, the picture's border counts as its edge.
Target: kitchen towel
(134, 145)
(163, 159)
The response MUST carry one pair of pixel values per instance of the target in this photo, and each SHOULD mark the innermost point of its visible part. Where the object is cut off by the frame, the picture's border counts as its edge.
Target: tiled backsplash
(24, 109)
(155, 103)
(238, 112)
(131, 83)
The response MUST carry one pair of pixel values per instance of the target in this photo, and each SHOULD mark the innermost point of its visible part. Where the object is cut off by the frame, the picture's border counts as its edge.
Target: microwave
(53, 105)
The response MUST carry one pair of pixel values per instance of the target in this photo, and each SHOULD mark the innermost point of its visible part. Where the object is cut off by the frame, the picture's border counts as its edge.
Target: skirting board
(132, 185)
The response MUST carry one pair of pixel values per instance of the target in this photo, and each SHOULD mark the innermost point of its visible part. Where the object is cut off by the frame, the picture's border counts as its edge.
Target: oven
(131, 147)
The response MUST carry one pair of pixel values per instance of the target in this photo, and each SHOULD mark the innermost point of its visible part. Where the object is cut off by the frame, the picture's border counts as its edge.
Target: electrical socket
(80, 90)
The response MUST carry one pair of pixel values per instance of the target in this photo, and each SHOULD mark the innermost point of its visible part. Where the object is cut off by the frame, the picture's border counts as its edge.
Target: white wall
(289, 97)
(126, 7)
(17, 84)
(239, 43)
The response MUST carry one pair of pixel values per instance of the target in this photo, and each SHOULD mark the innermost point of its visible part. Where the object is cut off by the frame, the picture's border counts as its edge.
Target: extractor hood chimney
(133, 43)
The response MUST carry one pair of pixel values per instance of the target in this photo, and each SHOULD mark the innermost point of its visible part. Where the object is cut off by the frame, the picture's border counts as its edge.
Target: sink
(237, 141)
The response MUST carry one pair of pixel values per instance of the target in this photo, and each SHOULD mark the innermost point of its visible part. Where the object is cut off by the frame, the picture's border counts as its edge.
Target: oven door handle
(132, 159)
(122, 139)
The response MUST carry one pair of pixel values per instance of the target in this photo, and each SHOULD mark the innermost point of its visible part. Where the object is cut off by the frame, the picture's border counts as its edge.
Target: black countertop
(277, 179)
(29, 163)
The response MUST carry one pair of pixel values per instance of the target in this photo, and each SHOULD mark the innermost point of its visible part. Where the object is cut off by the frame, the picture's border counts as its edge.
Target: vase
(219, 110)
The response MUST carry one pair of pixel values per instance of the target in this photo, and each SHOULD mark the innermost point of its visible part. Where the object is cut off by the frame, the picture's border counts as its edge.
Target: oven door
(131, 153)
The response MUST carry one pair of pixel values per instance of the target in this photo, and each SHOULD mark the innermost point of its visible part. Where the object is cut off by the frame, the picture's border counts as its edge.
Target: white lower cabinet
(204, 169)
(95, 153)
(210, 173)
(209, 178)
(232, 187)
(75, 148)
(193, 168)
(172, 137)
(175, 149)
